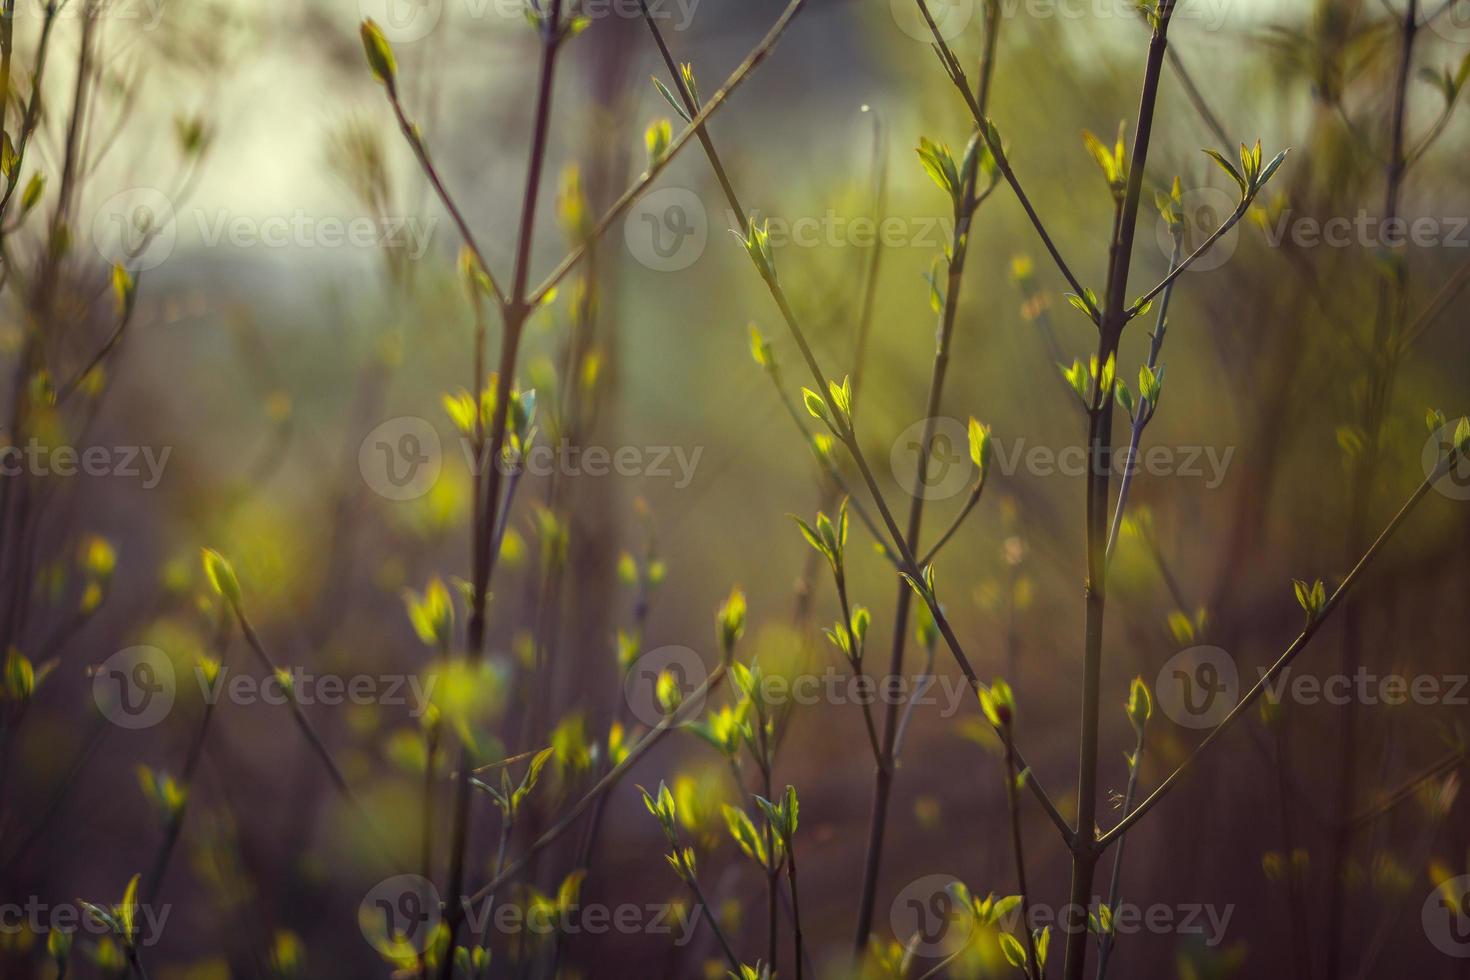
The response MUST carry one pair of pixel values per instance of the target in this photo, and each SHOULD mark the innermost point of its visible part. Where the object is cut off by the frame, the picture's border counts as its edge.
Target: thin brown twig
(1282, 662)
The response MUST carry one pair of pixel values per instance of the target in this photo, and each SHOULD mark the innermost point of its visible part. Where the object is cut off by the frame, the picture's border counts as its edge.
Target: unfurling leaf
(999, 704)
(656, 139)
(1140, 704)
(379, 54)
(979, 446)
(221, 576)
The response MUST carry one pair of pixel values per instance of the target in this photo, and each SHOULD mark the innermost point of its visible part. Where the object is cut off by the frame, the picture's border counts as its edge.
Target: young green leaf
(1229, 168)
(1140, 704)
(999, 704)
(673, 100)
(742, 829)
(656, 140)
(379, 54)
(221, 576)
(731, 621)
(1015, 953)
(979, 446)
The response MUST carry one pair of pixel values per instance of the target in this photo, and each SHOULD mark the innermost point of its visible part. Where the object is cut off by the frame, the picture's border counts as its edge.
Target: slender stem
(927, 674)
(1180, 268)
(1285, 660)
(1015, 183)
(101, 728)
(154, 881)
(313, 737)
(1295, 886)
(426, 812)
(849, 439)
(1408, 790)
(773, 883)
(421, 153)
(135, 964)
(1392, 291)
(1033, 961)
(857, 664)
(947, 631)
(1441, 302)
(828, 465)
(709, 916)
(978, 111)
(1108, 938)
(1099, 477)
(484, 555)
(1144, 412)
(1196, 97)
(795, 910)
(886, 760)
(130, 304)
(622, 204)
(875, 256)
(569, 818)
(773, 872)
(957, 523)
